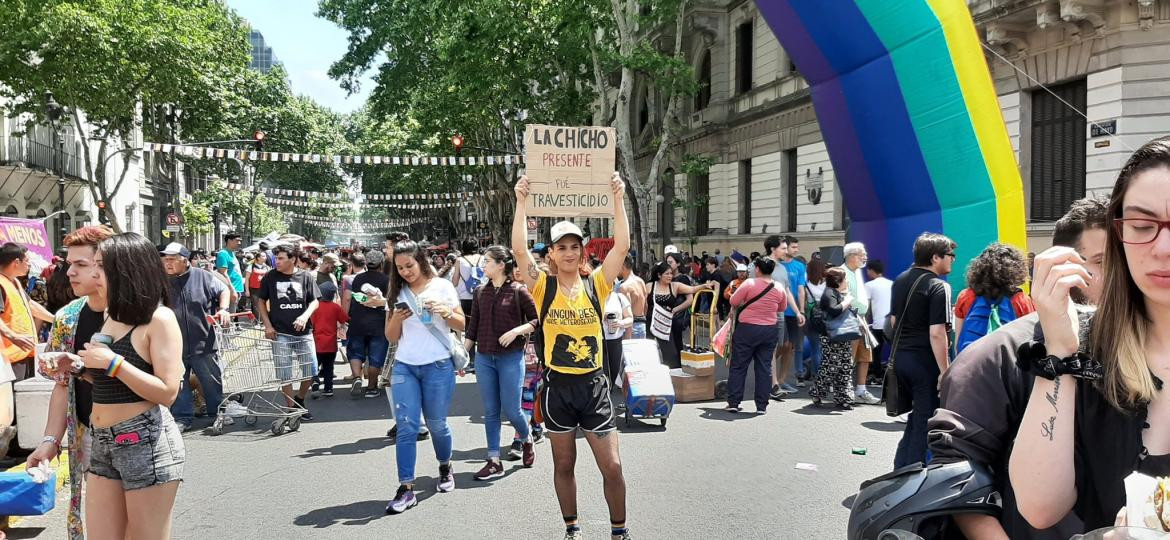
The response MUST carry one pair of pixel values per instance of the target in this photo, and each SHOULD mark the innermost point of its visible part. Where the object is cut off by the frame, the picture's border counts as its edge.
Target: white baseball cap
(669, 249)
(561, 229)
(741, 268)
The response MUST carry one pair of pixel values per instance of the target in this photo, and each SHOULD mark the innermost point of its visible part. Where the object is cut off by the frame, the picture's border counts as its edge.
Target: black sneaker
(777, 394)
(393, 433)
(327, 393)
(372, 392)
(516, 451)
(305, 415)
(403, 500)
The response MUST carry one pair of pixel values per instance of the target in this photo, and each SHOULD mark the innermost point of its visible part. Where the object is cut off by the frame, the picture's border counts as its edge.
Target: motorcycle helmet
(920, 499)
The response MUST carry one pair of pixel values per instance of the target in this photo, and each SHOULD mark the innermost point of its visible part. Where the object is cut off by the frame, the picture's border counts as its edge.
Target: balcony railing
(38, 155)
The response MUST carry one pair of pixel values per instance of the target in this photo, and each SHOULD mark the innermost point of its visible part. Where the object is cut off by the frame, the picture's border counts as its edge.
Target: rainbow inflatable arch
(910, 116)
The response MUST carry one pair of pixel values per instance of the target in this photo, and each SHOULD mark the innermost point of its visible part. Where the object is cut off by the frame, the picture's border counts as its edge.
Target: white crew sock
(861, 389)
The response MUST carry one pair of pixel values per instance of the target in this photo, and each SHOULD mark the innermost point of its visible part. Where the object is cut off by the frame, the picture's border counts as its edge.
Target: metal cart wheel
(278, 426)
(250, 420)
(294, 423)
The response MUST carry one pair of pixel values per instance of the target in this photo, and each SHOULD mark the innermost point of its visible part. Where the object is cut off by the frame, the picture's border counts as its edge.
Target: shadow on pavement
(640, 425)
(888, 427)
(478, 454)
(358, 513)
(348, 449)
(823, 410)
(18, 533)
(717, 413)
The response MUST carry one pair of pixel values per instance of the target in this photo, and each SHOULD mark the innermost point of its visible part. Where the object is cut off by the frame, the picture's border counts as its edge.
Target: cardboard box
(698, 362)
(689, 388)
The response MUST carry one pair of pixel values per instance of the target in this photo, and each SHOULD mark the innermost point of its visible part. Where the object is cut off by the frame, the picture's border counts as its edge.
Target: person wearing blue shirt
(794, 336)
(227, 264)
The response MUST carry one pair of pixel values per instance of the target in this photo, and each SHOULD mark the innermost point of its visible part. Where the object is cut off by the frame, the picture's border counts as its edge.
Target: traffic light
(457, 142)
(258, 136)
(101, 207)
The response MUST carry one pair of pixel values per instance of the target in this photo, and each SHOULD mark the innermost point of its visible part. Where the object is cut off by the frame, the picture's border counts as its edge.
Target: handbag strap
(745, 305)
(438, 334)
(901, 318)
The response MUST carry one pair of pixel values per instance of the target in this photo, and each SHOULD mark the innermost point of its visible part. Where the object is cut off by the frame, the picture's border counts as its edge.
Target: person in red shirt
(328, 320)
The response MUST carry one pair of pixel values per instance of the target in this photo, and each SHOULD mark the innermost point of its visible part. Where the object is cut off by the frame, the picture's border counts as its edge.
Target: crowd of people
(1053, 397)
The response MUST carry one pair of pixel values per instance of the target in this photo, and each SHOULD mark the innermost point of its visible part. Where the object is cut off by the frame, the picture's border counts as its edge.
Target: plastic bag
(722, 339)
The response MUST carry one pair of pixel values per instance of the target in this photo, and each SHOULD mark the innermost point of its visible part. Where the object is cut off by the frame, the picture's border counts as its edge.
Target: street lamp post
(54, 111)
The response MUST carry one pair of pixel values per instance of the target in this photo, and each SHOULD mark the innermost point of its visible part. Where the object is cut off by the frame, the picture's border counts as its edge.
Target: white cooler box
(32, 410)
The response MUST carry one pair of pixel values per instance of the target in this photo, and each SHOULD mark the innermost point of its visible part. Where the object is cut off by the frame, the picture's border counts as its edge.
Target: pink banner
(31, 234)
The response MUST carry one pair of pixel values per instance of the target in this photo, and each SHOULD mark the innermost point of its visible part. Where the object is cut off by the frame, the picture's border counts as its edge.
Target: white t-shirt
(418, 345)
(616, 303)
(466, 264)
(816, 290)
(879, 294)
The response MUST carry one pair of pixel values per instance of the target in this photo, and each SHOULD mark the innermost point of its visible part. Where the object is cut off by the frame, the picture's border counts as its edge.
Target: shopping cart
(255, 368)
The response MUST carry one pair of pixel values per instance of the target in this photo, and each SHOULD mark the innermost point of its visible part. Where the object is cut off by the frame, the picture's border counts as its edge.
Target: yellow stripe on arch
(986, 117)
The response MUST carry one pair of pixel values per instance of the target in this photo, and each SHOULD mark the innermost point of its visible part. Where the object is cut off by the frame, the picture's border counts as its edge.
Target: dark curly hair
(997, 272)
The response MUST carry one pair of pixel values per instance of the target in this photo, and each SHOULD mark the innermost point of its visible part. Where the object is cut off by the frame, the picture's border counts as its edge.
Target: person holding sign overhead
(576, 394)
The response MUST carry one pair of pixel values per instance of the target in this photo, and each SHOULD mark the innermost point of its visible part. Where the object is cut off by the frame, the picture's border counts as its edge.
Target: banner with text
(31, 234)
(569, 170)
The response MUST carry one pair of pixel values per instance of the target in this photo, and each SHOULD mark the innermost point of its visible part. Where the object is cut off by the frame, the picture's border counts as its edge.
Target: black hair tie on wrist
(1033, 358)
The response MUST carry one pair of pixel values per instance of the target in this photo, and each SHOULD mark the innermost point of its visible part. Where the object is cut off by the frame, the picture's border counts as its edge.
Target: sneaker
(788, 388)
(574, 534)
(867, 398)
(761, 412)
(183, 426)
(902, 418)
(623, 536)
(529, 455)
(733, 408)
(355, 390)
(493, 469)
(801, 383)
(372, 392)
(327, 393)
(424, 434)
(446, 479)
(516, 452)
(403, 500)
(776, 393)
(235, 410)
(538, 437)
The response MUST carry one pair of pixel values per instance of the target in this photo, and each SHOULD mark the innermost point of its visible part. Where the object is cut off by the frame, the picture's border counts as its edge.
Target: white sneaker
(902, 418)
(867, 398)
(234, 409)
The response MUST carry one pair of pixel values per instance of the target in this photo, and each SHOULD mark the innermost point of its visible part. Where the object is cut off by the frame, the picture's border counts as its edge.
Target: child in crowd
(329, 321)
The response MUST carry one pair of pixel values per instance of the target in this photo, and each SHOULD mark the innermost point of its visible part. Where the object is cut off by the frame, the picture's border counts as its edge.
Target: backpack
(813, 314)
(476, 277)
(985, 317)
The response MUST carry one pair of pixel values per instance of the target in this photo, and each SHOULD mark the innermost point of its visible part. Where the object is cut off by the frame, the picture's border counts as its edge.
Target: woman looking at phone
(1088, 426)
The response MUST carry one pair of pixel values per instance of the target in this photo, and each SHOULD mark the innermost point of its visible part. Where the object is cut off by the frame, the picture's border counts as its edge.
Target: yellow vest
(18, 317)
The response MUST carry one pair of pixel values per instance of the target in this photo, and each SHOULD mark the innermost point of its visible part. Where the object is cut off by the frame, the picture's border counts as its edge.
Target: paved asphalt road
(709, 474)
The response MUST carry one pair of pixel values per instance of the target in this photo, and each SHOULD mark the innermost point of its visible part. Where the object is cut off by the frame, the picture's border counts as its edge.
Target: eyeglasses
(950, 254)
(1139, 230)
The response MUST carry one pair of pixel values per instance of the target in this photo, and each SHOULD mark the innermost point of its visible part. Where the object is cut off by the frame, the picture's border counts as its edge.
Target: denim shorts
(295, 357)
(371, 349)
(143, 451)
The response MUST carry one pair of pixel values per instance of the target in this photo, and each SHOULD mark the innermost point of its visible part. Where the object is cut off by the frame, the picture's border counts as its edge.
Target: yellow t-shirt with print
(572, 328)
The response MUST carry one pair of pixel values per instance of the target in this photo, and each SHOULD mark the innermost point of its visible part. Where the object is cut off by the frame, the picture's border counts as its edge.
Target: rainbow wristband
(115, 366)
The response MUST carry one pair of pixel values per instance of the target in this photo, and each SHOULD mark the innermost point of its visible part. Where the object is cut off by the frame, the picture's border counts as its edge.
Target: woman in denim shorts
(137, 455)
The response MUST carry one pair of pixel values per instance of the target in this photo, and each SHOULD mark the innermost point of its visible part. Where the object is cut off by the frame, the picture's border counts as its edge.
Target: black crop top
(109, 390)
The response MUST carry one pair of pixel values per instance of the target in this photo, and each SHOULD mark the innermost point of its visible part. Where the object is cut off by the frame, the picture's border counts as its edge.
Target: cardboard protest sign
(569, 169)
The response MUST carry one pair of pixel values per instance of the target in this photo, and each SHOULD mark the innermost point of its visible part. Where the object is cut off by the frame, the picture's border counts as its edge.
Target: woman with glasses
(1099, 410)
(502, 313)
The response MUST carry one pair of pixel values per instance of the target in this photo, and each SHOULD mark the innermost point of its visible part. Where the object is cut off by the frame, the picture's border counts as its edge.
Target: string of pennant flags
(366, 225)
(203, 152)
(347, 200)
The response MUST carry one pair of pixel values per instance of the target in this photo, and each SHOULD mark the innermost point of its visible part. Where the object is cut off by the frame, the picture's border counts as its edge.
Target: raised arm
(1041, 467)
(611, 267)
(529, 273)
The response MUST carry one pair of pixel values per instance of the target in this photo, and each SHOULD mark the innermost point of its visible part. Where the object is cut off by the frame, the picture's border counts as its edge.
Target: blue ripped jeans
(421, 392)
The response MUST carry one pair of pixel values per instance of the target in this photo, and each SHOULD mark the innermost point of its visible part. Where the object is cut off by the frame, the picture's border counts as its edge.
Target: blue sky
(306, 45)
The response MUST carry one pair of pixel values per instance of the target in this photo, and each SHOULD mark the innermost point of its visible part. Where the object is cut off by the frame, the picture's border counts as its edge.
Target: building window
(790, 190)
(666, 207)
(1058, 149)
(745, 196)
(743, 57)
(699, 192)
(703, 98)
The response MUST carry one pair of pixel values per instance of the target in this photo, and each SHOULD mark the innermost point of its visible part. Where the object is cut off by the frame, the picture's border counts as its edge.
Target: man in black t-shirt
(366, 337)
(920, 356)
(289, 298)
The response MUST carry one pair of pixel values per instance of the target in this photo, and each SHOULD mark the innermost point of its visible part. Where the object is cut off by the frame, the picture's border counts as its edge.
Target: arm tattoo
(1048, 428)
(533, 271)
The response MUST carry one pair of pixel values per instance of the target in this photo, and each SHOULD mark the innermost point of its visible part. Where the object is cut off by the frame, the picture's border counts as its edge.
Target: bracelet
(51, 439)
(115, 366)
(1034, 358)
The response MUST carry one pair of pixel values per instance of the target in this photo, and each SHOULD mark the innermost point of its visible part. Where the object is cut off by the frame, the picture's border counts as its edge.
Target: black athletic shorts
(568, 402)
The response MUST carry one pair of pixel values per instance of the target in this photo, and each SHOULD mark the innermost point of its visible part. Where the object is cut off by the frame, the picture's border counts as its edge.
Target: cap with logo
(565, 228)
